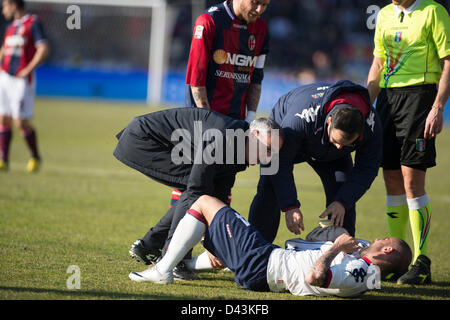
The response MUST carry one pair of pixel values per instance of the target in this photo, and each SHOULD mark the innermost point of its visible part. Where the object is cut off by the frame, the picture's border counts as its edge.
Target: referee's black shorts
(403, 112)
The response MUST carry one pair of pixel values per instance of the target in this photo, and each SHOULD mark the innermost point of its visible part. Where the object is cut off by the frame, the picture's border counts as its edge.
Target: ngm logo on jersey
(220, 56)
(14, 45)
(243, 62)
(15, 41)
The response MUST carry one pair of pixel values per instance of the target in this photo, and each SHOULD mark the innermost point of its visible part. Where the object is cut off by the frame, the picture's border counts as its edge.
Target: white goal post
(162, 23)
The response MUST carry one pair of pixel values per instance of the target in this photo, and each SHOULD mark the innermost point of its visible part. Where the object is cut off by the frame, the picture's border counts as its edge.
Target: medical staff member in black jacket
(197, 151)
(322, 125)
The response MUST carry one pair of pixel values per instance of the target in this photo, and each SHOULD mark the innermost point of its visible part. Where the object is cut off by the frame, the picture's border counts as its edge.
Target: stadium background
(108, 57)
(85, 208)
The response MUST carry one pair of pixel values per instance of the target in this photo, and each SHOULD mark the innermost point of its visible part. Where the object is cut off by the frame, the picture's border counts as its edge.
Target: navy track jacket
(302, 116)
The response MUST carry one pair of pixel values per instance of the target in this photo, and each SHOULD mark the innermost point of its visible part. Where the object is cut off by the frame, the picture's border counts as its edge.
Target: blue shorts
(240, 247)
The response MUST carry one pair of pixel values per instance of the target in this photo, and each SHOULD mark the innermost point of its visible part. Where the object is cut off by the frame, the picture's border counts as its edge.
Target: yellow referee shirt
(412, 43)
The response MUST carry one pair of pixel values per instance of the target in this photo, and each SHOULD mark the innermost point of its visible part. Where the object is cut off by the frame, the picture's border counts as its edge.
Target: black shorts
(403, 112)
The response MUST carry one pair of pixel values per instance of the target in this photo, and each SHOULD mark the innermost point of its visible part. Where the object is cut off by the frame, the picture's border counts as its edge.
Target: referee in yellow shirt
(411, 57)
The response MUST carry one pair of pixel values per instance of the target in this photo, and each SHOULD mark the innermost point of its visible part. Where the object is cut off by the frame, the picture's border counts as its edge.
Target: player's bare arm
(373, 79)
(435, 119)
(252, 101)
(1, 53)
(444, 85)
(318, 274)
(253, 96)
(42, 53)
(200, 97)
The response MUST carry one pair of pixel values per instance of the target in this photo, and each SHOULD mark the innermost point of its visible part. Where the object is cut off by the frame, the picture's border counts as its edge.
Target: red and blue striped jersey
(19, 43)
(226, 56)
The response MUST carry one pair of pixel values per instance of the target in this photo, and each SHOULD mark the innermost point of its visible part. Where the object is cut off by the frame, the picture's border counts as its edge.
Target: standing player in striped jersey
(224, 73)
(226, 61)
(24, 48)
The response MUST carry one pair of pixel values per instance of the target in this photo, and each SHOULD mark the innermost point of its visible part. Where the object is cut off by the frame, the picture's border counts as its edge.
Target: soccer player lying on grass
(340, 269)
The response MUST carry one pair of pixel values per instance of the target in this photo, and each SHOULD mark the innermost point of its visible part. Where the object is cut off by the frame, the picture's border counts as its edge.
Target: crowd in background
(310, 40)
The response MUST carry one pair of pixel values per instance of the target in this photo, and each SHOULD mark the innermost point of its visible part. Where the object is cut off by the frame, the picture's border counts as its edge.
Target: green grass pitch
(85, 208)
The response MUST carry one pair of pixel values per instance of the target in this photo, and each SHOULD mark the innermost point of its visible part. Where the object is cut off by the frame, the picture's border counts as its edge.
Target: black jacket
(162, 145)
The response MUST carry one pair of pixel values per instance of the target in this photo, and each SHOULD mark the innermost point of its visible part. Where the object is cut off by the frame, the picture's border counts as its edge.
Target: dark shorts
(240, 247)
(403, 112)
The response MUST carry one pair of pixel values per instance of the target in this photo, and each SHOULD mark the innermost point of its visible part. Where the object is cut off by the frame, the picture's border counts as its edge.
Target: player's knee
(209, 206)
(201, 203)
(414, 182)
(5, 121)
(23, 125)
(414, 188)
(205, 198)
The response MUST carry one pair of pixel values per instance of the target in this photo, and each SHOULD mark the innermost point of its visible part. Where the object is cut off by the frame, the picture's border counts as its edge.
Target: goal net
(111, 48)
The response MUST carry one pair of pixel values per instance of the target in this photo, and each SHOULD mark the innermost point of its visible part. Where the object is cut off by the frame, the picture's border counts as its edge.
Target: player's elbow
(46, 53)
(378, 64)
(44, 50)
(314, 279)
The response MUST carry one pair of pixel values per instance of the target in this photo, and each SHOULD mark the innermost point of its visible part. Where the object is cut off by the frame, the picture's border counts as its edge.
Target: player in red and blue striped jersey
(227, 56)
(24, 48)
(226, 60)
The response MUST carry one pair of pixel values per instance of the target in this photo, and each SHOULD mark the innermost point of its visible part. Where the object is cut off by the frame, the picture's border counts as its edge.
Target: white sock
(418, 203)
(395, 201)
(201, 262)
(187, 234)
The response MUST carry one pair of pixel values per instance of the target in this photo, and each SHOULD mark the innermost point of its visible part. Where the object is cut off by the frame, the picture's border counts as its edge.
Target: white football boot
(152, 275)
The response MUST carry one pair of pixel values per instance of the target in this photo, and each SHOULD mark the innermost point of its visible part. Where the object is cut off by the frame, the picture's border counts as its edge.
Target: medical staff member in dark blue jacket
(323, 124)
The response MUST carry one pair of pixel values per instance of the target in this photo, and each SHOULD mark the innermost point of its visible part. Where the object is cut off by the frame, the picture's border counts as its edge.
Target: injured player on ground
(345, 267)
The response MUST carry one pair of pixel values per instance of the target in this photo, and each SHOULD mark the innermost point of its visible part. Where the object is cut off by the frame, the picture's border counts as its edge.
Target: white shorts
(16, 96)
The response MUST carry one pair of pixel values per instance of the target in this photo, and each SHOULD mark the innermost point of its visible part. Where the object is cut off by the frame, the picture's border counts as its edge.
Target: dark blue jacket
(302, 116)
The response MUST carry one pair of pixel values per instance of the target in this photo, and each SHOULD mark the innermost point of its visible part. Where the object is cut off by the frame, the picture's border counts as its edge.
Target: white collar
(408, 10)
(228, 10)
(21, 20)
